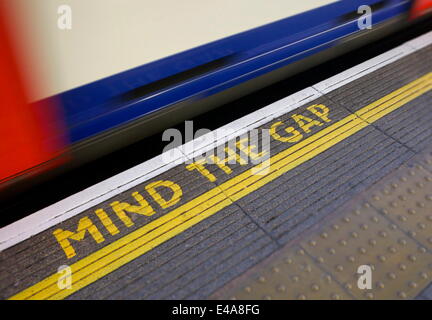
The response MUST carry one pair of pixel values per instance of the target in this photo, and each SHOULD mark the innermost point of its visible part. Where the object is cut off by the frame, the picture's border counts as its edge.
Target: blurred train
(176, 60)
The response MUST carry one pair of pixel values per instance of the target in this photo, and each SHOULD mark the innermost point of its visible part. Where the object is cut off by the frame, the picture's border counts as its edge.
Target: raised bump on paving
(190, 247)
(367, 231)
(291, 274)
(124, 250)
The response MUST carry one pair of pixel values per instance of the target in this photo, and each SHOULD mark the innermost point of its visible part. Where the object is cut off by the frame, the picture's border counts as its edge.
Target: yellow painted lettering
(320, 110)
(305, 123)
(175, 188)
(244, 146)
(295, 134)
(120, 208)
(199, 166)
(84, 225)
(107, 222)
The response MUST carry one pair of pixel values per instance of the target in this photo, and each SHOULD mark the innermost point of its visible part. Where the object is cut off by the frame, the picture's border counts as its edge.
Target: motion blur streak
(29, 132)
(420, 7)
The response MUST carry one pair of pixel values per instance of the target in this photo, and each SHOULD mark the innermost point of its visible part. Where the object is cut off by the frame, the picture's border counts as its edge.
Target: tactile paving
(330, 202)
(387, 228)
(290, 275)
(363, 237)
(407, 201)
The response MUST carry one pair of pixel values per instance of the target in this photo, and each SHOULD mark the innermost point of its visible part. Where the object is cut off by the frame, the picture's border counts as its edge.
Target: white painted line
(92, 196)
(362, 69)
(251, 121)
(85, 199)
(420, 42)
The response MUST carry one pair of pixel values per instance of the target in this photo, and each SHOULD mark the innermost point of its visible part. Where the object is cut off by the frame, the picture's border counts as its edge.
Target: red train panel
(26, 134)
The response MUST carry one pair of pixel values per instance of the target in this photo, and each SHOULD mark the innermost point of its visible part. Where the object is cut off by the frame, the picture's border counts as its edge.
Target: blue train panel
(212, 68)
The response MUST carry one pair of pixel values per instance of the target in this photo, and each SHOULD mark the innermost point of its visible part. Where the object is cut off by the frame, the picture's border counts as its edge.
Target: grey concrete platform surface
(205, 227)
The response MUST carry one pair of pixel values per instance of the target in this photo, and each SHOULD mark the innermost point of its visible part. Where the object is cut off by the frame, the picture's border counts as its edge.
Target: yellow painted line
(135, 244)
(395, 94)
(371, 113)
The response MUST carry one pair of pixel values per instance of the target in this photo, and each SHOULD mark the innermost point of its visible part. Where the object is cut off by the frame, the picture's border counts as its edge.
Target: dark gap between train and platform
(49, 192)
